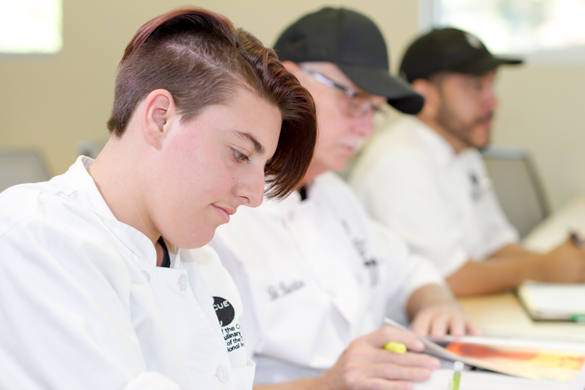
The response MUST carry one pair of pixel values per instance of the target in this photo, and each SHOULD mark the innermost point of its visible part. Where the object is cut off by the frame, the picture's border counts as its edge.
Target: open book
(553, 301)
(530, 364)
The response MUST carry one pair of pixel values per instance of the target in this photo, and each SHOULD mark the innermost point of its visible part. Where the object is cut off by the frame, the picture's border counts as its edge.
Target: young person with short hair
(99, 285)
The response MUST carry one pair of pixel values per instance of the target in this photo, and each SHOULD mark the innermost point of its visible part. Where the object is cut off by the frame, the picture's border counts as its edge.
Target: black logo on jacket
(224, 310)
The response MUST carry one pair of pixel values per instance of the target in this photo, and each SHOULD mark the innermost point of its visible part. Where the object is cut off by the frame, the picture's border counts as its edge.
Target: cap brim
(486, 64)
(379, 82)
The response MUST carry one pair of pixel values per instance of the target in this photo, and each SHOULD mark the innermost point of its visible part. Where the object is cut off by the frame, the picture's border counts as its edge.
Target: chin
(481, 140)
(481, 144)
(338, 165)
(197, 240)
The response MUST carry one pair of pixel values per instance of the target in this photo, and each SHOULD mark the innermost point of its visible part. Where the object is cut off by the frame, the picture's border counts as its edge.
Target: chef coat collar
(441, 150)
(136, 241)
(285, 208)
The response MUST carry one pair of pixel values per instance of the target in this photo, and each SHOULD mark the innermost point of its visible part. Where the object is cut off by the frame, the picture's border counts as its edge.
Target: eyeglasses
(359, 105)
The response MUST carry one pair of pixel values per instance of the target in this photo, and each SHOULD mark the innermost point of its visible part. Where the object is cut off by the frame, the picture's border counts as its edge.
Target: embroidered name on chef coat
(282, 289)
(225, 314)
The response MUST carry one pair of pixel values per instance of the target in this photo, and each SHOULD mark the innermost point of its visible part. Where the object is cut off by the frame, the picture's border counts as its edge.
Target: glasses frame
(380, 114)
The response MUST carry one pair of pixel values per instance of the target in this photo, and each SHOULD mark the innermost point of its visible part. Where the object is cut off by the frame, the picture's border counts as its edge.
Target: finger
(457, 324)
(440, 324)
(398, 372)
(381, 356)
(408, 359)
(383, 384)
(380, 337)
(473, 328)
(421, 324)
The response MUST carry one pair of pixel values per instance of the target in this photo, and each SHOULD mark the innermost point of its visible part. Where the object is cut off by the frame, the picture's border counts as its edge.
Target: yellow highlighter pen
(394, 346)
(454, 383)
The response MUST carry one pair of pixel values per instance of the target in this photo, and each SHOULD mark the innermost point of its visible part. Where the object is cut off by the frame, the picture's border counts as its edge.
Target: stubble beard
(459, 129)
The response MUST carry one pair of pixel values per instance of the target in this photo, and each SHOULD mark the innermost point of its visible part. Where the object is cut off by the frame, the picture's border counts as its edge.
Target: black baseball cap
(355, 44)
(449, 49)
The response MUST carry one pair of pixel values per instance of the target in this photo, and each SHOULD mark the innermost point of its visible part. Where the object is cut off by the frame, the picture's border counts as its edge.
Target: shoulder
(393, 151)
(330, 182)
(39, 202)
(330, 189)
(402, 138)
(43, 225)
(250, 228)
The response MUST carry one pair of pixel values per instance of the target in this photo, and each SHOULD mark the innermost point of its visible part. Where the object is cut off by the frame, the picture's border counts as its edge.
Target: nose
(250, 187)
(364, 124)
(491, 98)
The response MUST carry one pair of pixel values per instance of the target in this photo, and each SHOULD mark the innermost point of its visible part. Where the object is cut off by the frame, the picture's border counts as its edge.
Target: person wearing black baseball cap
(316, 275)
(425, 177)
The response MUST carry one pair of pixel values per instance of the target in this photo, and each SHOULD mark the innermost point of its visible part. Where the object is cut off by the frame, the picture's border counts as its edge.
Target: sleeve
(402, 194)
(404, 272)
(63, 321)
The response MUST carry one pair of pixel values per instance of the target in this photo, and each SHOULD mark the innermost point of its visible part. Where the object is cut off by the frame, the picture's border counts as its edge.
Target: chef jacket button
(183, 282)
(223, 374)
(146, 276)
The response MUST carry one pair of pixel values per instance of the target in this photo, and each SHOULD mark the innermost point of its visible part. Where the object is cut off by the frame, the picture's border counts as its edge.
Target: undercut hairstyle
(201, 59)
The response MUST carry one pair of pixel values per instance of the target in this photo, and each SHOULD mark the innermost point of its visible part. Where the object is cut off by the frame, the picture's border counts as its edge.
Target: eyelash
(239, 156)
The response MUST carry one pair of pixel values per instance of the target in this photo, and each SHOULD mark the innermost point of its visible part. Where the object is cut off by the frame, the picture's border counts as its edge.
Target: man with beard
(425, 177)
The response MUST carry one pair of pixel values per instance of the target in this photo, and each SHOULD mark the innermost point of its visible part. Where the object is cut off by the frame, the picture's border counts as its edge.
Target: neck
(312, 172)
(454, 141)
(121, 186)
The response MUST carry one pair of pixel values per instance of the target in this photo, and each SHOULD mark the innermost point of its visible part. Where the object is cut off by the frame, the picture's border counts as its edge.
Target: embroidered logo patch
(473, 41)
(224, 310)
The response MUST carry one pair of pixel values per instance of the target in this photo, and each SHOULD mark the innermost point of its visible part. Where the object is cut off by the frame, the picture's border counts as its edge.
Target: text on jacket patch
(225, 315)
(233, 337)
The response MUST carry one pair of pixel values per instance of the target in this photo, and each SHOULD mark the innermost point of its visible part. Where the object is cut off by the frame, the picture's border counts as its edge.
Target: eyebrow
(247, 136)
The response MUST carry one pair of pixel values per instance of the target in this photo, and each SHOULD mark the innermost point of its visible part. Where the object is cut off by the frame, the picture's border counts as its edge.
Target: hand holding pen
(383, 359)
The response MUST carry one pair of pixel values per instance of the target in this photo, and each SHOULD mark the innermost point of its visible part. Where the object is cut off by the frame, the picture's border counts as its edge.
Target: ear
(432, 98)
(293, 68)
(159, 110)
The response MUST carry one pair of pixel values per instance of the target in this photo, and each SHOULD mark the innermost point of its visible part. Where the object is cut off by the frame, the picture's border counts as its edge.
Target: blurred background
(59, 102)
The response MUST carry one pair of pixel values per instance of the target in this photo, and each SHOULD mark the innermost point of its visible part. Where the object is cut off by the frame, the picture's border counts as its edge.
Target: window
(539, 27)
(30, 26)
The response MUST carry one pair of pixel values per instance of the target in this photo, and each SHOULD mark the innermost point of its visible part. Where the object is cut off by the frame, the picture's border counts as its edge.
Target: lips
(351, 145)
(486, 120)
(224, 212)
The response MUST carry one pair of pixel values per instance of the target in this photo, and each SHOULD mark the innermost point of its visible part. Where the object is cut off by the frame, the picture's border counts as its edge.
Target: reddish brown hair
(201, 59)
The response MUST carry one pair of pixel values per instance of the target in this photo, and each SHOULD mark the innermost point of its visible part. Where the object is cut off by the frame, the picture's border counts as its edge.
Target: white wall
(54, 102)
(542, 109)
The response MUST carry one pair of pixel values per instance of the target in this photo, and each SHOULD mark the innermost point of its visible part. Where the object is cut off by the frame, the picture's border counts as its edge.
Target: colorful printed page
(532, 363)
(553, 361)
(478, 380)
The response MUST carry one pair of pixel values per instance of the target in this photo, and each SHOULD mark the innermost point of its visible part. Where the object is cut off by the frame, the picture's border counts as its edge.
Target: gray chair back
(517, 186)
(21, 166)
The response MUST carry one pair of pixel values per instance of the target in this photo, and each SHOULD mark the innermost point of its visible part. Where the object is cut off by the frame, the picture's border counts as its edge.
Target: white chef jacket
(443, 204)
(84, 306)
(314, 275)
